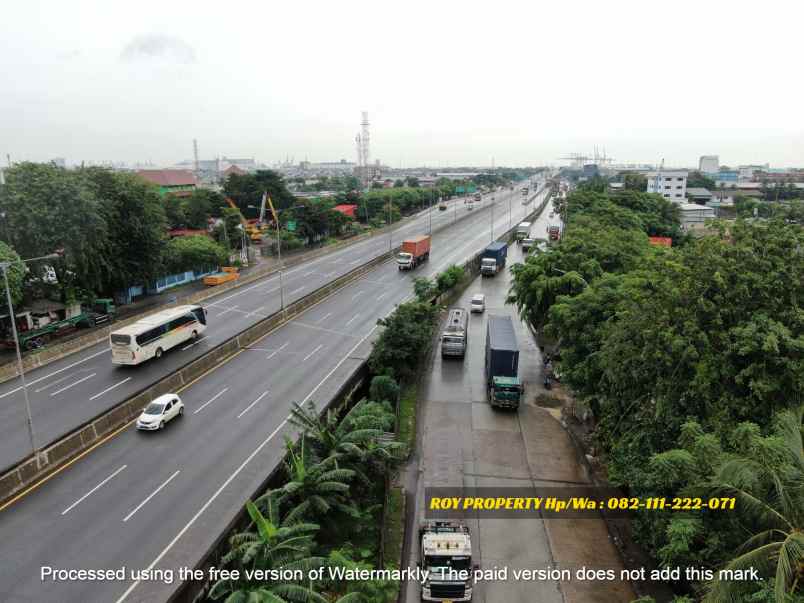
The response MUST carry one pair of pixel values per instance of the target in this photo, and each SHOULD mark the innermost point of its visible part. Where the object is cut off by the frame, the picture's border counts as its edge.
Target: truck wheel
(158, 353)
(194, 336)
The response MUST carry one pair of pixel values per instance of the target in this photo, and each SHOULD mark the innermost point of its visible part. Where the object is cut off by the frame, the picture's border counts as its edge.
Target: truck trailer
(502, 363)
(493, 259)
(414, 251)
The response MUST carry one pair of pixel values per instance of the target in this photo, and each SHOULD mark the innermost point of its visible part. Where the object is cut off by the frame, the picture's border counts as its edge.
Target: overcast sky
(445, 83)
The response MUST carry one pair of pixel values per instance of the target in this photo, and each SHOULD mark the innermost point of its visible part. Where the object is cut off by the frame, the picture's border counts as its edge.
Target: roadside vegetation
(690, 359)
(328, 509)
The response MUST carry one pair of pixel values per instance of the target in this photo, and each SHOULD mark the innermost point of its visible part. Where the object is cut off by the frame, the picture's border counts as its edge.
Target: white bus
(155, 334)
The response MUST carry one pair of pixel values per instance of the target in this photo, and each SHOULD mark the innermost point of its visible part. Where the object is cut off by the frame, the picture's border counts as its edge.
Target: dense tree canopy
(16, 274)
(676, 351)
(194, 253)
(247, 189)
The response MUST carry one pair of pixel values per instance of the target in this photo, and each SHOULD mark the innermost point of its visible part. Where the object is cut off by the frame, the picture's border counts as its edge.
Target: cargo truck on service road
(522, 231)
(446, 553)
(413, 252)
(502, 363)
(493, 259)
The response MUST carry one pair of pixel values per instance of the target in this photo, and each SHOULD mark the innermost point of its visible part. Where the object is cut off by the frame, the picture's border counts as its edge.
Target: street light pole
(20, 366)
(492, 219)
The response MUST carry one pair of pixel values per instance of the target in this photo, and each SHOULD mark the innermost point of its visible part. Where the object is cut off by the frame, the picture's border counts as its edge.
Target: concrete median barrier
(57, 454)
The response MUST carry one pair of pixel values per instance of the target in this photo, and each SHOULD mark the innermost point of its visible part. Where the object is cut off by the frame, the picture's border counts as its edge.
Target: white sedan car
(160, 411)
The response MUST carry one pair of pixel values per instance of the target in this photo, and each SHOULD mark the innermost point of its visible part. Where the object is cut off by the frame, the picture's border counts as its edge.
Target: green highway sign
(291, 225)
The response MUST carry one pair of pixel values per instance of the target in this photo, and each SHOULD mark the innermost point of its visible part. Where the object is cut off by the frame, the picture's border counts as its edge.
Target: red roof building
(347, 210)
(177, 182)
(661, 241)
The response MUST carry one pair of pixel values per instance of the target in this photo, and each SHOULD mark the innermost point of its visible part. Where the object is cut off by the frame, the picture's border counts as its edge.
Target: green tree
(699, 180)
(767, 480)
(275, 545)
(635, 182)
(174, 211)
(404, 341)
(384, 389)
(194, 253)
(16, 276)
(135, 221)
(247, 189)
(200, 206)
(313, 489)
(49, 209)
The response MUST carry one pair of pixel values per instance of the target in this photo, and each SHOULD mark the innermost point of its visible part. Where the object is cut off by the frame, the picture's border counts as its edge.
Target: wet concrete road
(464, 442)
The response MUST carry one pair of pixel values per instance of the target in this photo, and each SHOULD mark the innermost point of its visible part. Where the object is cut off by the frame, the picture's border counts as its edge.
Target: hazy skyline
(444, 83)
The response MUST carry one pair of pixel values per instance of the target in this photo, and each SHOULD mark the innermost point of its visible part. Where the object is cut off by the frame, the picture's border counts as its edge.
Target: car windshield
(404, 256)
(154, 408)
(489, 261)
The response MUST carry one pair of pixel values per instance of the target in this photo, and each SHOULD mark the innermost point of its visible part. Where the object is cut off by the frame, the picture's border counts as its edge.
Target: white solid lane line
(381, 296)
(108, 389)
(210, 401)
(275, 352)
(348, 322)
(67, 510)
(154, 493)
(61, 370)
(306, 358)
(66, 387)
(250, 406)
(323, 318)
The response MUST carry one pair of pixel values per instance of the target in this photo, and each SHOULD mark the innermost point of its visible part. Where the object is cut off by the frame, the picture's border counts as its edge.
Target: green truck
(99, 312)
(505, 389)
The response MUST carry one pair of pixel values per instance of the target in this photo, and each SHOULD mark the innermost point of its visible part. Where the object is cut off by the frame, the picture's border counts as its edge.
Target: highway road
(464, 442)
(72, 391)
(159, 500)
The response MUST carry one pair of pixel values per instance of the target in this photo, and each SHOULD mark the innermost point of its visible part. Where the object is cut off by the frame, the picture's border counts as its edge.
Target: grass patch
(394, 527)
(407, 416)
(548, 401)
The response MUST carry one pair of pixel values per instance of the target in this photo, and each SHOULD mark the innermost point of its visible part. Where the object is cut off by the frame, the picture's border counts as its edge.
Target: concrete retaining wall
(83, 438)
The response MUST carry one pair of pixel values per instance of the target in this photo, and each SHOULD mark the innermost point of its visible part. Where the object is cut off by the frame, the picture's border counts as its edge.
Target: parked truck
(493, 259)
(502, 363)
(554, 232)
(446, 553)
(414, 251)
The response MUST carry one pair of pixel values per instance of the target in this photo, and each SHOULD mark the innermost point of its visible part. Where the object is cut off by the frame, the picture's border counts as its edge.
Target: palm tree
(274, 546)
(769, 488)
(331, 435)
(313, 488)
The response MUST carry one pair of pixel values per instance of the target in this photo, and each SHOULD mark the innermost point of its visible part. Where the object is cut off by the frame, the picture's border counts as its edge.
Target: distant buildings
(700, 196)
(670, 184)
(709, 164)
(177, 182)
(694, 217)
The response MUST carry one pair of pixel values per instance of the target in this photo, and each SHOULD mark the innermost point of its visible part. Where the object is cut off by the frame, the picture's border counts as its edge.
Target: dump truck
(493, 259)
(413, 252)
(502, 363)
(446, 553)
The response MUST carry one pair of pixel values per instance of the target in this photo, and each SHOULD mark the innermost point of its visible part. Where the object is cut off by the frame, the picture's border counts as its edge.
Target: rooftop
(168, 177)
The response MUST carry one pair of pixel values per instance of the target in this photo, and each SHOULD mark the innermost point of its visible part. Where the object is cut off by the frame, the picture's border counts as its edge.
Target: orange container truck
(413, 252)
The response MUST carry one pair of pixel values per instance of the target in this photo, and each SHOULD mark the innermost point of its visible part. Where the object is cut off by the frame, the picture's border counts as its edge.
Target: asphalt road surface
(72, 391)
(160, 499)
(464, 442)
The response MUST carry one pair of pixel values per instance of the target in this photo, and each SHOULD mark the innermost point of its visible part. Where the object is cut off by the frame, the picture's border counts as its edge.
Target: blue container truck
(502, 363)
(493, 259)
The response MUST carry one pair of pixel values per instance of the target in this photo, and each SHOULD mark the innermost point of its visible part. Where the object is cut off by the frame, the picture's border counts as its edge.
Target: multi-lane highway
(70, 392)
(159, 500)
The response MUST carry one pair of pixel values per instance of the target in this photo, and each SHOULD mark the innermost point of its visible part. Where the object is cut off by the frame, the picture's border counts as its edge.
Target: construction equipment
(252, 230)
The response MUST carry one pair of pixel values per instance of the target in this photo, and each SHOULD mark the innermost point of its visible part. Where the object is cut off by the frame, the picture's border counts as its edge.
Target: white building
(670, 184)
(694, 216)
(709, 164)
